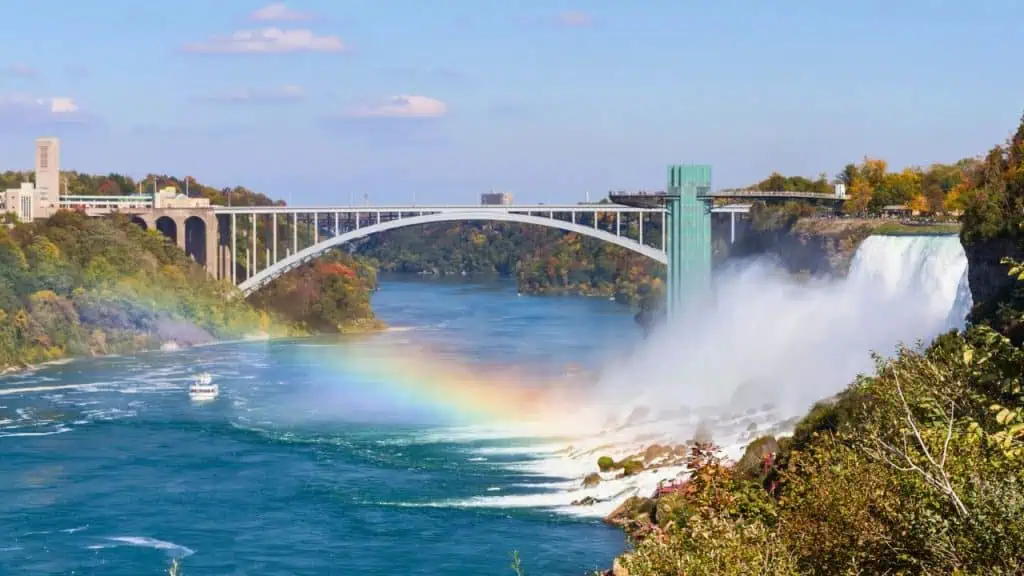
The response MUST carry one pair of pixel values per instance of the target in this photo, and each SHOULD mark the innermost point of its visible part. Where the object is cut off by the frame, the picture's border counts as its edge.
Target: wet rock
(591, 480)
(655, 451)
(585, 501)
(634, 511)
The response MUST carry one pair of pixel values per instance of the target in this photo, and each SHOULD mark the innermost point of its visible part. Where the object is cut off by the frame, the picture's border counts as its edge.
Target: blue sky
(318, 101)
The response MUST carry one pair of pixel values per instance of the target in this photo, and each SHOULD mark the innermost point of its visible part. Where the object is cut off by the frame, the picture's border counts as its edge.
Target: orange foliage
(334, 269)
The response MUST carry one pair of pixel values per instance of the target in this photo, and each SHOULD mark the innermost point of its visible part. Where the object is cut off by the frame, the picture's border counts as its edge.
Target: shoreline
(174, 346)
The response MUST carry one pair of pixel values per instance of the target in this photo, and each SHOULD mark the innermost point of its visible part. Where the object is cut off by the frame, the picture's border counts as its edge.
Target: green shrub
(631, 467)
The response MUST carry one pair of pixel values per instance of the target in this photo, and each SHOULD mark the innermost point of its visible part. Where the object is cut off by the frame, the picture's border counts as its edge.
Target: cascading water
(767, 349)
(929, 269)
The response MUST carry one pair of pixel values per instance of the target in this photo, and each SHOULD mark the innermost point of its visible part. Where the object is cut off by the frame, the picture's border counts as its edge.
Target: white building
(169, 197)
(41, 199)
(20, 201)
(47, 177)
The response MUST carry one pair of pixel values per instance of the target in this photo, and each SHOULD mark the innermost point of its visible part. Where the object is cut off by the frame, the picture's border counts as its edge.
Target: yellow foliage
(919, 203)
(43, 296)
(956, 199)
(874, 171)
(860, 195)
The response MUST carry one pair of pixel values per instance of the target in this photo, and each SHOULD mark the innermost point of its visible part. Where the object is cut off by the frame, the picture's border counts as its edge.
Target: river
(440, 446)
(301, 466)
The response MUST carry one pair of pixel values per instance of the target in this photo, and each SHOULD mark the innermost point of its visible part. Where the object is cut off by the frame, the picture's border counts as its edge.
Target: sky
(396, 101)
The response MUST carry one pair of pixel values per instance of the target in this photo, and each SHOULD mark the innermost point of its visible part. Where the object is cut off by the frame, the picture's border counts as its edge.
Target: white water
(760, 356)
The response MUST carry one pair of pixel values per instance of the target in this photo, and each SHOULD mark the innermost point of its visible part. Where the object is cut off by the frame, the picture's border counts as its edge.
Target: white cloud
(575, 19)
(278, 12)
(267, 41)
(25, 109)
(62, 105)
(402, 107)
(250, 95)
(53, 105)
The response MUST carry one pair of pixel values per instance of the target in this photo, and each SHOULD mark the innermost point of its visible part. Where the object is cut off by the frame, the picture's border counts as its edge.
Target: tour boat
(203, 388)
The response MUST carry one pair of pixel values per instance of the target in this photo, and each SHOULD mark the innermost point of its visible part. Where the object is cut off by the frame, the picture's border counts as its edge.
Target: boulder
(591, 480)
(655, 451)
(617, 566)
(632, 467)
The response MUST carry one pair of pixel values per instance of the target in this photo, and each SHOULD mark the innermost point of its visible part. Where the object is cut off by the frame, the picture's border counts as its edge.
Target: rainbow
(482, 393)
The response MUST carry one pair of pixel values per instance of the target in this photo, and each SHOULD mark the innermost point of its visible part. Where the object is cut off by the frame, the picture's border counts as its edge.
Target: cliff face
(986, 275)
(811, 247)
(998, 298)
(801, 252)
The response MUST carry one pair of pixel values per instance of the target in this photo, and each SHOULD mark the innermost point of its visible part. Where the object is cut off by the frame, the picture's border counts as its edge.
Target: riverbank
(73, 286)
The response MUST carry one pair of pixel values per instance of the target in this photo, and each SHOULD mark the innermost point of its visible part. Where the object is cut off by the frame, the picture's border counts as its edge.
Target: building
(169, 197)
(496, 199)
(47, 189)
(42, 198)
(20, 201)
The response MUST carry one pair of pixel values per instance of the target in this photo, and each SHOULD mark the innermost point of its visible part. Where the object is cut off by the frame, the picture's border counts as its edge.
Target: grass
(899, 228)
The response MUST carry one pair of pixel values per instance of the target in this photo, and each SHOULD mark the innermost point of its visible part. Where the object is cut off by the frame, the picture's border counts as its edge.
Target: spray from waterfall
(768, 340)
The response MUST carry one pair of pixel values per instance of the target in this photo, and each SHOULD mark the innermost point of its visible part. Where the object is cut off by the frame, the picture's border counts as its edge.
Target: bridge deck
(429, 209)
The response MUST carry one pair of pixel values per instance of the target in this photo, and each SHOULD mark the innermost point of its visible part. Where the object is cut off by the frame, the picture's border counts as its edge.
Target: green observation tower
(689, 234)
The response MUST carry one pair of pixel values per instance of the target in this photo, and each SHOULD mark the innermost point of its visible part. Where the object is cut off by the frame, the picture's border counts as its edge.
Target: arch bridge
(252, 245)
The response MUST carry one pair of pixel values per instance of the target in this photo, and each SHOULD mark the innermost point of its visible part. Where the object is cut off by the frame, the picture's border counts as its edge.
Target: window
(26, 209)
(44, 157)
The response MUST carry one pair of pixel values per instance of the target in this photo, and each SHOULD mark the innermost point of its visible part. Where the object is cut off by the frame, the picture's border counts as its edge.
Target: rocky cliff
(985, 272)
(997, 297)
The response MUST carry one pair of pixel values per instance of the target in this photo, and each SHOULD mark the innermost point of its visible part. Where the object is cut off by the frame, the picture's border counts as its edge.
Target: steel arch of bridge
(264, 276)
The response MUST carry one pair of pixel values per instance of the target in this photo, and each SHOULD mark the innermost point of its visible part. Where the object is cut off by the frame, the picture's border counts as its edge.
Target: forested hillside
(73, 285)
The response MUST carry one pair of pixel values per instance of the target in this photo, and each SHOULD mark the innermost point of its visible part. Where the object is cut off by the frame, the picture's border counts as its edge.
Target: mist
(767, 341)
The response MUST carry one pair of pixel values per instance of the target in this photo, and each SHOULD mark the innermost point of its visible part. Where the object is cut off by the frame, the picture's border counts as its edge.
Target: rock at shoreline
(617, 568)
(585, 501)
(591, 480)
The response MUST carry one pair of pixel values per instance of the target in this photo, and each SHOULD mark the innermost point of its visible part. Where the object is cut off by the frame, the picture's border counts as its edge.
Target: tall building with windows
(47, 195)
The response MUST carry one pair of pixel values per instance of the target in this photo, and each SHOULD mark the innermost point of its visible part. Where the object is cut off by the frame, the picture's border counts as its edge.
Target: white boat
(203, 388)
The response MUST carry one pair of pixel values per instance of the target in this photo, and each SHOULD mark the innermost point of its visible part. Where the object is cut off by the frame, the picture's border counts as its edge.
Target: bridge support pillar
(689, 234)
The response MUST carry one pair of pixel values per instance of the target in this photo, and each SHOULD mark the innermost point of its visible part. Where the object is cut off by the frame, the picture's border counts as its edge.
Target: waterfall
(928, 273)
(768, 339)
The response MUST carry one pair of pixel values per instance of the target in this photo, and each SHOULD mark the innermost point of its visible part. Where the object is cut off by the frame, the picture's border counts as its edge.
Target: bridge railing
(427, 209)
(747, 193)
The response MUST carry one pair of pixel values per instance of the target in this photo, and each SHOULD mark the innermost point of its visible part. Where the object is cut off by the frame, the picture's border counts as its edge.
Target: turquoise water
(123, 473)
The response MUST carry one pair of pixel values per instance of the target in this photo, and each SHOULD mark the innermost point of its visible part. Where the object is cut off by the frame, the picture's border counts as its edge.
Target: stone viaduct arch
(194, 230)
